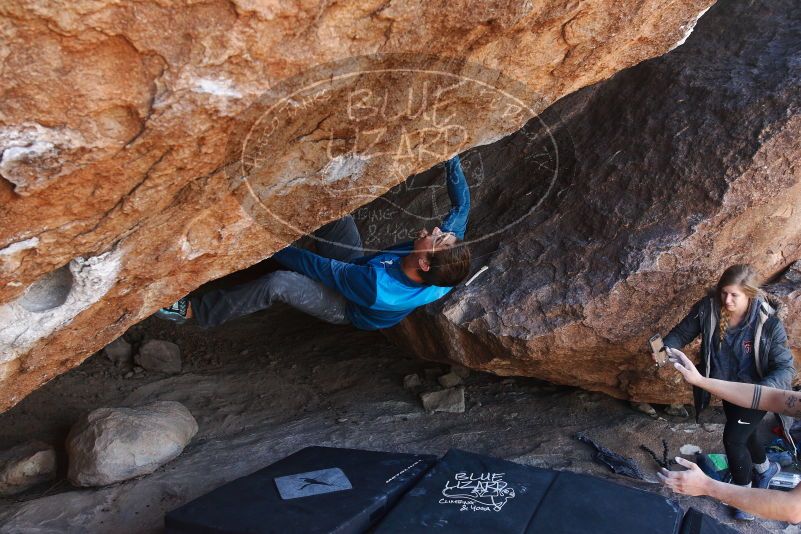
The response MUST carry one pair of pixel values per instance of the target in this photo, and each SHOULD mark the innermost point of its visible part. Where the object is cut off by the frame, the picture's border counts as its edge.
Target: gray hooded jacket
(772, 356)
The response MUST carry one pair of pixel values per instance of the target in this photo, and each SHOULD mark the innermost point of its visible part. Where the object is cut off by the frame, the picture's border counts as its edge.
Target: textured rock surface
(115, 119)
(669, 172)
(114, 444)
(25, 466)
(412, 381)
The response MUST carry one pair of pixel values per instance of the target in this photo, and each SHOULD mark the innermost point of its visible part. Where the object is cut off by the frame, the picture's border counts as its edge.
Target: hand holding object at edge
(692, 482)
(683, 365)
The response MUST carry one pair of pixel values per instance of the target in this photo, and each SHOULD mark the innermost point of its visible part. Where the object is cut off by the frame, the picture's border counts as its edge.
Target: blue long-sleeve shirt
(378, 292)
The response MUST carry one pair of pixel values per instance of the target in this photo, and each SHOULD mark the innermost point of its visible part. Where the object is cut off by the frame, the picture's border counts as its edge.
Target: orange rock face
(149, 147)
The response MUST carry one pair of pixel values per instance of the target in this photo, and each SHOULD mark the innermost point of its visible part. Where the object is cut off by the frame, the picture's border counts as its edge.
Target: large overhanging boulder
(141, 157)
(667, 173)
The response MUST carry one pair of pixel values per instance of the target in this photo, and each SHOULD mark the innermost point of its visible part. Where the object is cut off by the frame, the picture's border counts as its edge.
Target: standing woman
(743, 340)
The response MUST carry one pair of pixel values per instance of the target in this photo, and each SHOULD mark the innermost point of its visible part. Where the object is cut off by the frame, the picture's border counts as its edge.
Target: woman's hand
(693, 481)
(683, 365)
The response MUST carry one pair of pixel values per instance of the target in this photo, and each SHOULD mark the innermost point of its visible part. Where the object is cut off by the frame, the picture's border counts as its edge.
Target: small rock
(645, 408)
(712, 428)
(113, 444)
(688, 449)
(129, 374)
(244, 352)
(508, 382)
(449, 380)
(118, 352)
(25, 466)
(137, 370)
(446, 400)
(160, 356)
(461, 371)
(412, 381)
(677, 410)
(342, 420)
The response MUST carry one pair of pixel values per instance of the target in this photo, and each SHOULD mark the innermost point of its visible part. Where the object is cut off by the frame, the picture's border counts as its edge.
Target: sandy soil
(267, 385)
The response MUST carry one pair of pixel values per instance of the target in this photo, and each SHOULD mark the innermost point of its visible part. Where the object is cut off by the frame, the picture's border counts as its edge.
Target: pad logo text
(482, 492)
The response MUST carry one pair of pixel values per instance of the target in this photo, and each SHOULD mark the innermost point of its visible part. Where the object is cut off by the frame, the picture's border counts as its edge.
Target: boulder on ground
(25, 466)
(114, 444)
(449, 380)
(160, 356)
(645, 408)
(446, 400)
(118, 352)
(677, 410)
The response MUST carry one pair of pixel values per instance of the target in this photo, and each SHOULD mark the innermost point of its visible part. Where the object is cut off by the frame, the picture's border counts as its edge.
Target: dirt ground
(270, 384)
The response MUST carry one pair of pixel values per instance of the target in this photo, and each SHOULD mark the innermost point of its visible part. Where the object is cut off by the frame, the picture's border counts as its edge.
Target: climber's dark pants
(338, 240)
(740, 440)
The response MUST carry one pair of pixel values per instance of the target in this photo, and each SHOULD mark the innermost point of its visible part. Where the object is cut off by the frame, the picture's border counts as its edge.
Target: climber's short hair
(449, 266)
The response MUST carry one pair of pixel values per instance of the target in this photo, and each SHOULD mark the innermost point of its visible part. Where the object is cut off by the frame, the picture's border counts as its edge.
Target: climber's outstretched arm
(770, 504)
(751, 396)
(456, 220)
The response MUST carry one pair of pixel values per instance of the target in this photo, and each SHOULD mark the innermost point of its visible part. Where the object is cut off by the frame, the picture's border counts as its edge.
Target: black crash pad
(467, 492)
(252, 504)
(697, 523)
(578, 504)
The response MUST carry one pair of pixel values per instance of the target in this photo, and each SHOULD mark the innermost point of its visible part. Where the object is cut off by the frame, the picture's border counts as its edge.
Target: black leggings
(740, 440)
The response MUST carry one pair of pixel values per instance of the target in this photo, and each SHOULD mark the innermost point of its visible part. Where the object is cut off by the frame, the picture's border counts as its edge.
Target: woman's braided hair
(743, 276)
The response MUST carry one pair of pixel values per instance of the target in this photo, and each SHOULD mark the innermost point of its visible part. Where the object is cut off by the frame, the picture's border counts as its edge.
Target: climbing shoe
(762, 480)
(175, 312)
(739, 515)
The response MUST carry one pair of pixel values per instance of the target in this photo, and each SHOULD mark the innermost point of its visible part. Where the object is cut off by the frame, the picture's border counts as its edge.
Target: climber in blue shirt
(339, 285)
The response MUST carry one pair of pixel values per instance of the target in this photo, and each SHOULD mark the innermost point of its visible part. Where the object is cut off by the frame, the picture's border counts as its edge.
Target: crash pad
(467, 492)
(317, 489)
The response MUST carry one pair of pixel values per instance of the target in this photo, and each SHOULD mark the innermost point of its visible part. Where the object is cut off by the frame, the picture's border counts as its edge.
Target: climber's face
(734, 299)
(429, 242)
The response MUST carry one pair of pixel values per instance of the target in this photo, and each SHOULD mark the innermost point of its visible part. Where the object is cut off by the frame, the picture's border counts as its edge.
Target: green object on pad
(719, 460)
